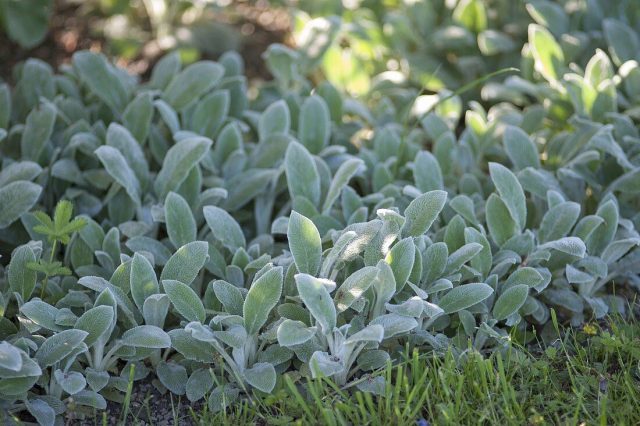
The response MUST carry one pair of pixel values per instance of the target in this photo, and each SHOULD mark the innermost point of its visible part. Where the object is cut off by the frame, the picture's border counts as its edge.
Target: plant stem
(46, 276)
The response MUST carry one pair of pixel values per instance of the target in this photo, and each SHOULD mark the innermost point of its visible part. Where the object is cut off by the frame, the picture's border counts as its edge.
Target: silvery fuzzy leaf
(116, 165)
(594, 265)
(167, 67)
(191, 348)
(410, 308)
(304, 243)
(499, 220)
(371, 333)
(186, 86)
(160, 252)
(96, 322)
(275, 355)
(439, 285)
(97, 380)
(261, 376)
(100, 284)
(325, 365)
(427, 174)
(41, 411)
(235, 337)
(212, 196)
(464, 296)
(58, 346)
(422, 212)
(565, 298)
(454, 233)
(201, 332)
(142, 280)
(37, 131)
(181, 226)
(22, 279)
(345, 172)
(614, 251)
(173, 376)
(314, 125)
(275, 119)
(262, 297)
(224, 227)
(10, 357)
(375, 385)
(178, 162)
(521, 150)
(573, 246)
(576, 276)
(461, 256)
(245, 186)
(184, 300)
(199, 384)
(464, 206)
(137, 116)
(526, 275)
(280, 225)
(303, 178)
(602, 236)
(170, 119)
(210, 113)
(558, 221)
(435, 261)
(316, 297)
(17, 198)
(354, 287)
(185, 264)
(420, 293)
(598, 305)
(5, 108)
(229, 295)
(41, 313)
(71, 382)
(373, 360)
(90, 398)
(511, 193)
(401, 258)
(365, 233)
(20, 170)
(67, 169)
(120, 138)
(155, 309)
(510, 301)
(227, 320)
(395, 324)
(229, 141)
(484, 259)
(146, 336)
(384, 285)
(222, 397)
(101, 78)
(292, 333)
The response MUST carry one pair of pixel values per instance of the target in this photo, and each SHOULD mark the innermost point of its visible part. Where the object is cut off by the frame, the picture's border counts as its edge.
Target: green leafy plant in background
(26, 22)
(225, 242)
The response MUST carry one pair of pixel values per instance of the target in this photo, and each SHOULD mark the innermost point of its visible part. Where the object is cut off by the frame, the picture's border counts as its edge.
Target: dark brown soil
(74, 27)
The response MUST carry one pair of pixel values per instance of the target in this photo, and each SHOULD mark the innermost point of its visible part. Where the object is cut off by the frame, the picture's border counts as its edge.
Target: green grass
(588, 376)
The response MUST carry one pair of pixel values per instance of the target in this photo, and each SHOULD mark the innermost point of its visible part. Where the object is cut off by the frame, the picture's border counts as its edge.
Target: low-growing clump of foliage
(213, 241)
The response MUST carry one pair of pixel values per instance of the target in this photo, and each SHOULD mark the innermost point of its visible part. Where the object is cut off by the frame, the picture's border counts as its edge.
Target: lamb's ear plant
(222, 241)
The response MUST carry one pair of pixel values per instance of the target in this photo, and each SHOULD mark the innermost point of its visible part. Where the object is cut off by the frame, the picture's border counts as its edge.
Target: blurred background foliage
(361, 45)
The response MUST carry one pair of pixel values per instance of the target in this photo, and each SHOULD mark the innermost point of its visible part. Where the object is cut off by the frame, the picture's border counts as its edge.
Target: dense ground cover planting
(210, 238)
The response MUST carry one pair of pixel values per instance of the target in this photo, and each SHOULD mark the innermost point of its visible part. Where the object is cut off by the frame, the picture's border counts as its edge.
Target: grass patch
(589, 375)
